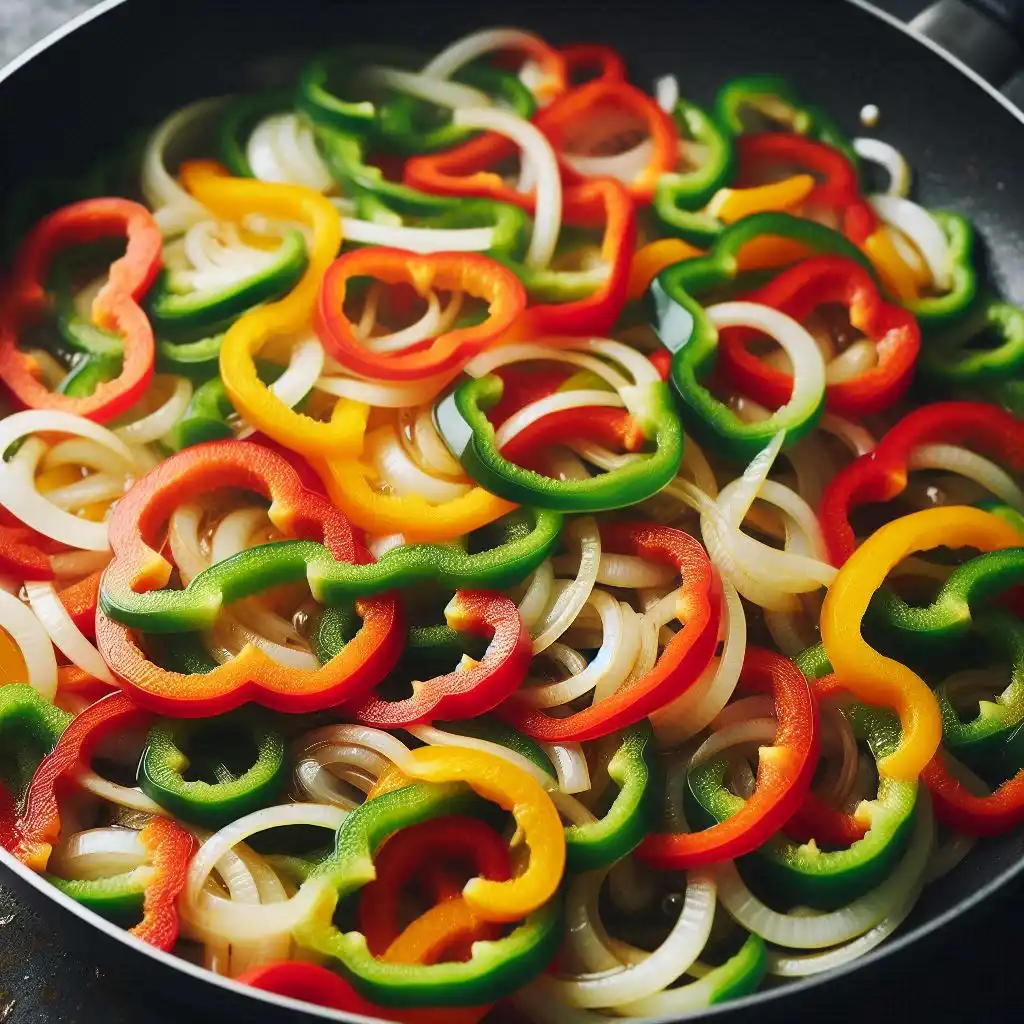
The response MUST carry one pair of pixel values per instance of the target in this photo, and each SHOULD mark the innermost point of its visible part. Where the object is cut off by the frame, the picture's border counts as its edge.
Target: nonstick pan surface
(124, 68)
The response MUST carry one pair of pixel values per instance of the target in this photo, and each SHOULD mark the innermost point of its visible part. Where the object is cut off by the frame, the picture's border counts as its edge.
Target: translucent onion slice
(393, 466)
(114, 793)
(430, 450)
(547, 217)
(82, 452)
(77, 564)
(183, 538)
(558, 402)
(982, 471)
(387, 395)
(433, 88)
(887, 156)
(538, 594)
(66, 636)
(160, 421)
(96, 488)
(841, 925)
(503, 355)
(174, 208)
(31, 638)
(467, 49)
(858, 358)
(98, 853)
(305, 365)
(923, 230)
(624, 167)
(567, 605)
(570, 764)
(282, 148)
(428, 326)
(416, 239)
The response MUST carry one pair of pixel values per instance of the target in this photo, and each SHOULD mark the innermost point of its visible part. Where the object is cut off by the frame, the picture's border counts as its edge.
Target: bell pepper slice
(951, 361)
(212, 804)
(462, 421)
(635, 770)
(772, 103)
(30, 727)
(868, 675)
(234, 199)
(680, 663)
(115, 308)
(651, 259)
(798, 292)
(410, 854)
(31, 836)
(24, 553)
(784, 774)
(935, 311)
(470, 273)
(468, 692)
(170, 849)
(960, 809)
(529, 537)
(882, 474)
(593, 60)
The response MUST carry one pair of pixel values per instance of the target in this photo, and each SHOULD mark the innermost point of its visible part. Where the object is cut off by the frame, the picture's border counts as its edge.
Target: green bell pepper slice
(634, 769)
(685, 330)
(950, 358)
(29, 727)
(526, 538)
(495, 968)
(934, 311)
(679, 197)
(238, 117)
(461, 419)
(775, 100)
(213, 804)
(183, 313)
(197, 360)
(118, 898)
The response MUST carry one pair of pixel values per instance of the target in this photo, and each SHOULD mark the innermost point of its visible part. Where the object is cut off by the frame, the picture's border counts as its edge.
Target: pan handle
(987, 35)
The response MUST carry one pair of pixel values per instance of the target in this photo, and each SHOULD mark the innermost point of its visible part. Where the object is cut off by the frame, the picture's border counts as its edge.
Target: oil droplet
(869, 115)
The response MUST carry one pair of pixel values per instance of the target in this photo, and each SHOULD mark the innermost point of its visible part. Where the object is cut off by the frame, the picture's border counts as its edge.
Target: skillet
(125, 64)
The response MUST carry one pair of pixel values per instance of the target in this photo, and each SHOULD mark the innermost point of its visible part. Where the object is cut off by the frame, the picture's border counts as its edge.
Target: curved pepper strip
(463, 693)
(30, 728)
(860, 669)
(462, 421)
(80, 601)
(170, 848)
(934, 311)
(680, 663)
(606, 63)
(32, 835)
(950, 361)
(115, 308)
(798, 292)
(881, 474)
(634, 768)
(234, 199)
(684, 329)
(212, 805)
(651, 259)
(530, 536)
(311, 983)
(24, 553)
(960, 809)
(117, 898)
(470, 273)
(410, 854)
(784, 774)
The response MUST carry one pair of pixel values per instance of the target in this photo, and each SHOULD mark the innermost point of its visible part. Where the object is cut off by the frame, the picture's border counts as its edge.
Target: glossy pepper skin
(212, 804)
(24, 553)
(936, 311)
(679, 193)
(680, 663)
(881, 474)
(798, 292)
(686, 332)
(868, 675)
(30, 727)
(775, 100)
(475, 275)
(783, 778)
(462, 421)
(127, 590)
(115, 308)
(635, 770)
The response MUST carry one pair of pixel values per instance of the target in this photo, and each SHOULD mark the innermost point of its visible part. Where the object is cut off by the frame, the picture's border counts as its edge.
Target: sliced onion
(31, 639)
(558, 402)
(570, 764)
(92, 489)
(417, 239)
(841, 925)
(159, 422)
(565, 608)
(982, 471)
(305, 364)
(547, 217)
(884, 154)
(183, 538)
(433, 88)
(393, 466)
(98, 853)
(282, 148)
(666, 93)
(385, 394)
(81, 451)
(625, 167)
(17, 486)
(489, 40)
(752, 730)
(114, 793)
(923, 231)
(66, 636)
(76, 564)
(538, 594)
(428, 448)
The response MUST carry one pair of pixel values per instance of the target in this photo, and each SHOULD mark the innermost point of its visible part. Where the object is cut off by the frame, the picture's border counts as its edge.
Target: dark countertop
(43, 982)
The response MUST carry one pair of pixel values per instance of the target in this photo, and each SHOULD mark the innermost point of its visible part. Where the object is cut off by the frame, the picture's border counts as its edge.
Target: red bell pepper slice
(170, 848)
(881, 474)
(784, 774)
(959, 809)
(798, 292)
(826, 825)
(115, 307)
(839, 188)
(80, 600)
(470, 692)
(136, 528)
(476, 275)
(311, 983)
(679, 665)
(24, 553)
(30, 838)
(587, 62)
(409, 856)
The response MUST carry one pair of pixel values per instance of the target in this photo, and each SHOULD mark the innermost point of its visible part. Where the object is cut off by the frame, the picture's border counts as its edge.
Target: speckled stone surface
(23, 22)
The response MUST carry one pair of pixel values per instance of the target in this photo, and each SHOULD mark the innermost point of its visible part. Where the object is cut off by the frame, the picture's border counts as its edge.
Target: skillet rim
(770, 997)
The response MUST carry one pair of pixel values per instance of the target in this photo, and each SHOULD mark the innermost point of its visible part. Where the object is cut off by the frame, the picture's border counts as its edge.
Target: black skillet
(124, 65)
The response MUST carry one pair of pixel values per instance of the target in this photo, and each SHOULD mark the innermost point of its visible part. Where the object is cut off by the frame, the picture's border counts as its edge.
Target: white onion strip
(566, 606)
(887, 156)
(923, 230)
(66, 636)
(160, 421)
(965, 463)
(28, 633)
